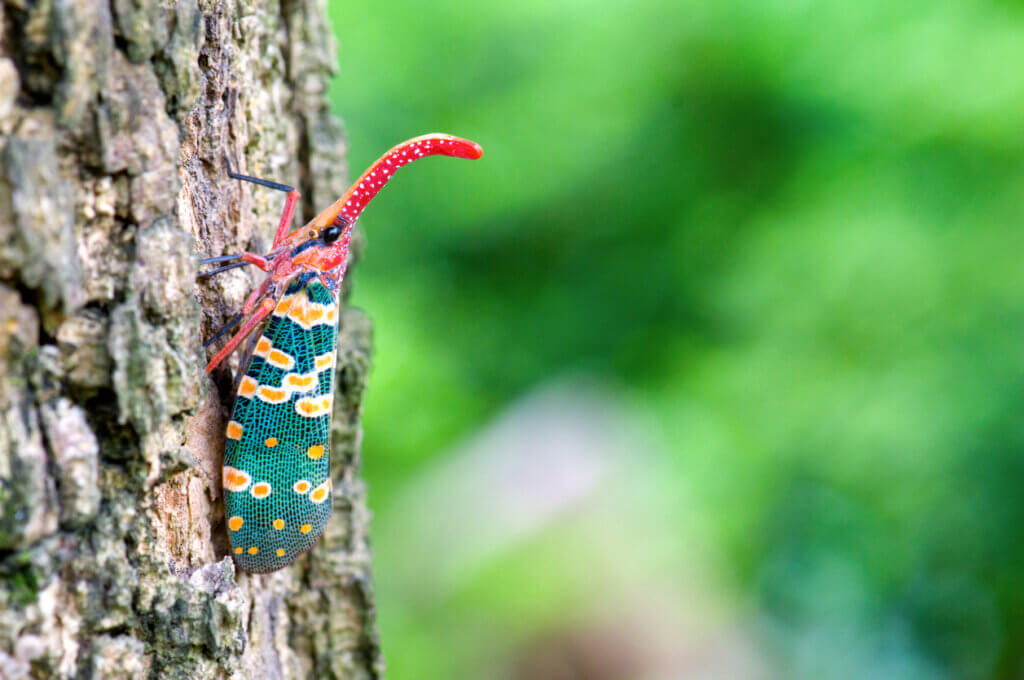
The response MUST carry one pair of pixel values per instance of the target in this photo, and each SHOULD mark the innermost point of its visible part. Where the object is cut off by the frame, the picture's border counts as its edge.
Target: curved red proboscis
(362, 191)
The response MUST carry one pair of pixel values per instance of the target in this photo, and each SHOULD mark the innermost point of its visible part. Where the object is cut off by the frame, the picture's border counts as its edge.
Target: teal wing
(277, 482)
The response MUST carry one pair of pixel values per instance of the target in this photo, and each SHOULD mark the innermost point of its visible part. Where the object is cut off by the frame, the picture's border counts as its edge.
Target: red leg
(257, 292)
(289, 204)
(286, 216)
(265, 308)
(258, 260)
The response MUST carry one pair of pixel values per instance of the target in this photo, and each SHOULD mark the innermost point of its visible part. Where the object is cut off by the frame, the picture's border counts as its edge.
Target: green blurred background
(712, 366)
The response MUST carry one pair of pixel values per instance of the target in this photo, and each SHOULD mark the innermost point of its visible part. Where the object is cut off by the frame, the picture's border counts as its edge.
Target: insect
(277, 483)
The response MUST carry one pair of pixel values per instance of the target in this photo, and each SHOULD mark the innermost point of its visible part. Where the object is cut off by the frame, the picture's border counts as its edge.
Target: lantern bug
(276, 475)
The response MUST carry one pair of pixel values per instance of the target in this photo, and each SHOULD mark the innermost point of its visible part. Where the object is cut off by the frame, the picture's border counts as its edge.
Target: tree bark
(115, 120)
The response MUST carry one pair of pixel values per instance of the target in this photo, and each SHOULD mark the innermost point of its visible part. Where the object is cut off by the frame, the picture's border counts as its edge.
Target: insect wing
(277, 482)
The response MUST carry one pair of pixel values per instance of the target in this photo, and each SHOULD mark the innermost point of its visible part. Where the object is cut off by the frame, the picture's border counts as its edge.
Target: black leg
(256, 180)
(218, 270)
(228, 326)
(222, 258)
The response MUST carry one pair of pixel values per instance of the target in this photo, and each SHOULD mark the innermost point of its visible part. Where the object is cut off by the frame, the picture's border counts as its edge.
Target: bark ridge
(115, 118)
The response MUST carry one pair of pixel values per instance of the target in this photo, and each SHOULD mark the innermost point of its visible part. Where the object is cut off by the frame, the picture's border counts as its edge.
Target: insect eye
(331, 233)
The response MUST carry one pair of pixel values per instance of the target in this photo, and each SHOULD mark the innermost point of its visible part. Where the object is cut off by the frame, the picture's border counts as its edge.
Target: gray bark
(115, 118)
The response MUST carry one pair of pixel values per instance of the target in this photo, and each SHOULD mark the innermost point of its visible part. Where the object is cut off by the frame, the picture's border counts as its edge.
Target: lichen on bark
(115, 119)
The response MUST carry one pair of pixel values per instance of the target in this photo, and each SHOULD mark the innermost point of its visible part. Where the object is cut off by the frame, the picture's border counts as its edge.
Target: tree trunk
(116, 118)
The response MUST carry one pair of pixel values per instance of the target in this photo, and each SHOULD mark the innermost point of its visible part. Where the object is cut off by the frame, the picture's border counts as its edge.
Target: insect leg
(224, 329)
(256, 180)
(245, 257)
(250, 304)
(265, 308)
(220, 270)
(254, 296)
(289, 204)
(221, 258)
(286, 216)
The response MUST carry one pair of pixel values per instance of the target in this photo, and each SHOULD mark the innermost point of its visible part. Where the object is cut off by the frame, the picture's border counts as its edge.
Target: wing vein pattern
(277, 482)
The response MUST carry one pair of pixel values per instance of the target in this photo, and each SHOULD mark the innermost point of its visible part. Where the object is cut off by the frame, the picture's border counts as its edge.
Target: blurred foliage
(788, 231)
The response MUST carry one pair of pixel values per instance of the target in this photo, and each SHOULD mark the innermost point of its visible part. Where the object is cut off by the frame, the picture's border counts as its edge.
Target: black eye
(331, 233)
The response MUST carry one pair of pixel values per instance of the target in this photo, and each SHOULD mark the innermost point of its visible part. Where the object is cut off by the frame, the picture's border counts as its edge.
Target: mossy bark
(115, 120)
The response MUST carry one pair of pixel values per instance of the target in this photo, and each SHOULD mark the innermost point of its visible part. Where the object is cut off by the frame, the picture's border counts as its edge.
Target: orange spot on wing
(279, 524)
(234, 430)
(319, 494)
(300, 383)
(311, 407)
(271, 442)
(262, 346)
(235, 479)
(280, 552)
(260, 490)
(283, 305)
(272, 395)
(280, 359)
(247, 387)
(298, 313)
(316, 451)
(306, 528)
(307, 313)
(324, 361)
(253, 550)
(235, 523)
(301, 486)
(238, 550)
